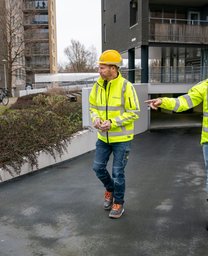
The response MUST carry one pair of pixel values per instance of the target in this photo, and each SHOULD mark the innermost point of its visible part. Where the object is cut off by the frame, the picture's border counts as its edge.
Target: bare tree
(92, 59)
(12, 36)
(80, 59)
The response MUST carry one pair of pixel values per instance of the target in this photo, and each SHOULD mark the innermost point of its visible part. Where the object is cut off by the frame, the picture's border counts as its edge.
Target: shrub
(46, 124)
(56, 91)
(24, 102)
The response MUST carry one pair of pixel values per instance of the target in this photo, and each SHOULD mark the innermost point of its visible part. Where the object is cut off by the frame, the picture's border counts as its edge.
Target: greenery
(43, 122)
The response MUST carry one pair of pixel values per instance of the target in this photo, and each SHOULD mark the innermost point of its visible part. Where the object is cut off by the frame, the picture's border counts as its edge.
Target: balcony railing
(33, 22)
(32, 52)
(36, 36)
(37, 67)
(188, 74)
(36, 5)
(178, 31)
(161, 74)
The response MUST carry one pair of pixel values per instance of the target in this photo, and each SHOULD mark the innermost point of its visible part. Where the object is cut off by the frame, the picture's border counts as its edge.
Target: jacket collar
(100, 81)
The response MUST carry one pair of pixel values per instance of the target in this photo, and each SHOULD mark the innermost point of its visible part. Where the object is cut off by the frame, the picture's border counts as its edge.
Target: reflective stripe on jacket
(118, 102)
(196, 95)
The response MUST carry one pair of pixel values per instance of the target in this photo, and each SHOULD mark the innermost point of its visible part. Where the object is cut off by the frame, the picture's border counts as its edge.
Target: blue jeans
(116, 183)
(205, 153)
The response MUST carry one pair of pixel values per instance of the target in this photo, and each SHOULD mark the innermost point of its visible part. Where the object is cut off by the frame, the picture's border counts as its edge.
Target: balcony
(39, 52)
(171, 75)
(37, 36)
(178, 31)
(38, 67)
(35, 23)
(39, 6)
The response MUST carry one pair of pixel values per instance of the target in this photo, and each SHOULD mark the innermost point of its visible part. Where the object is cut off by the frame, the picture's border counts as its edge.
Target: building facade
(162, 41)
(30, 45)
(40, 37)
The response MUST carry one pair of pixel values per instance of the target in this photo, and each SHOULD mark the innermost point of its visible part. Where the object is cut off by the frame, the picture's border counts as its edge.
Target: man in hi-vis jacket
(196, 95)
(114, 107)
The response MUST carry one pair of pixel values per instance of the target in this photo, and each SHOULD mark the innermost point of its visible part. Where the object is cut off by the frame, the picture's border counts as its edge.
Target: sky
(79, 20)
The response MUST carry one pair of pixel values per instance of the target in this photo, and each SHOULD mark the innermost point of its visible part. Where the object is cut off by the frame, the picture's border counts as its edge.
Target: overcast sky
(79, 20)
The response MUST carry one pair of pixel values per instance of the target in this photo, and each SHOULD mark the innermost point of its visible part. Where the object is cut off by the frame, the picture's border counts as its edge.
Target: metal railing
(31, 52)
(29, 22)
(161, 74)
(188, 74)
(137, 73)
(36, 36)
(37, 67)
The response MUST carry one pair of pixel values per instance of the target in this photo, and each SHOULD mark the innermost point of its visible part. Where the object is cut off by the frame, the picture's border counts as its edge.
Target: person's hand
(97, 123)
(105, 126)
(154, 103)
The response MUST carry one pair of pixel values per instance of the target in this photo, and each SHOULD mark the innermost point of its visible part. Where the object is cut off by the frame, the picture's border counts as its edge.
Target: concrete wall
(142, 124)
(31, 91)
(82, 142)
(168, 88)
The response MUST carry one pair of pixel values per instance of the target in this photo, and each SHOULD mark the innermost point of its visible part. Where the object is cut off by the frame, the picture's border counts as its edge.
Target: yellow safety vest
(196, 95)
(117, 102)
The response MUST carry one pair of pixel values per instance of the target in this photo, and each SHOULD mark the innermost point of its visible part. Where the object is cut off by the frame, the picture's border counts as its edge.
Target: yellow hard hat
(110, 57)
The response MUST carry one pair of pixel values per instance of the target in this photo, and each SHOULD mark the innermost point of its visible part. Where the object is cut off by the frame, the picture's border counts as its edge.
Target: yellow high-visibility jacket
(196, 95)
(117, 101)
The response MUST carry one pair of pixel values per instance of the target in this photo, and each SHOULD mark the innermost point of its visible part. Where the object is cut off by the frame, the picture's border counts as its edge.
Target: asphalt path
(58, 211)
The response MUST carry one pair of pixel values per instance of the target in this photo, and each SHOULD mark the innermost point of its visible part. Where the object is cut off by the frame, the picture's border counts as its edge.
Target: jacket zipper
(107, 109)
(101, 97)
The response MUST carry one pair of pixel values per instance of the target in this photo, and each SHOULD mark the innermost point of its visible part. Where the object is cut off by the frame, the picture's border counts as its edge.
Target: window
(133, 12)
(194, 18)
(43, 31)
(114, 18)
(41, 19)
(41, 4)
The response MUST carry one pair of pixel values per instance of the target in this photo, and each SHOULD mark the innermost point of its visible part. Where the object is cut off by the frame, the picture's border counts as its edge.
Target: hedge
(44, 123)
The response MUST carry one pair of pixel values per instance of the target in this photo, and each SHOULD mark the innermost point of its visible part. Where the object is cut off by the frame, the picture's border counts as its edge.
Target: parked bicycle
(4, 98)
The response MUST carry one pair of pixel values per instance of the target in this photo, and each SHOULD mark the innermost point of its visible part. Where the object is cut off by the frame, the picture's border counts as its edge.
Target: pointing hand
(154, 103)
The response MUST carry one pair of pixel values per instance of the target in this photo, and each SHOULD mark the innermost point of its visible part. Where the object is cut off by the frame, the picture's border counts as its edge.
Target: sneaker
(116, 211)
(108, 200)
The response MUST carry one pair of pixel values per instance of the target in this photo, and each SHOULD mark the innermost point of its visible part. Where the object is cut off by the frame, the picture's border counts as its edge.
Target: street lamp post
(5, 76)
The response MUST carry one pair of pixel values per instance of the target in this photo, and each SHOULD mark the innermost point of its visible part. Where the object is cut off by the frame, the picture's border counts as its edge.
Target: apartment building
(162, 41)
(29, 46)
(40, 37)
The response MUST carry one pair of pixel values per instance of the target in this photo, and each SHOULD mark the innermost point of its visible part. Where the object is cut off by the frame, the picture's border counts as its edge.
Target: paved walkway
(58, 211)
